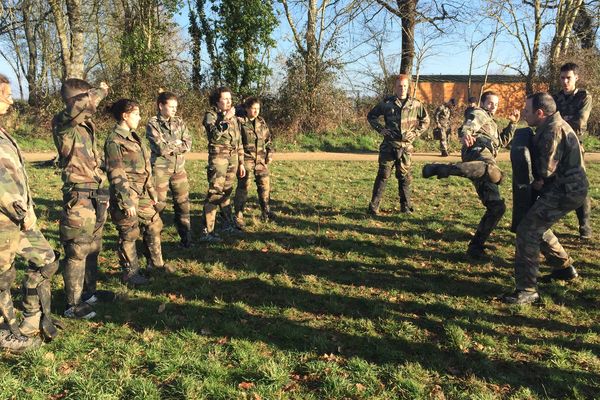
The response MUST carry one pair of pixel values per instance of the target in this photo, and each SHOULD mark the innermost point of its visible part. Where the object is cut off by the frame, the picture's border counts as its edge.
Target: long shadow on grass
(234, 320)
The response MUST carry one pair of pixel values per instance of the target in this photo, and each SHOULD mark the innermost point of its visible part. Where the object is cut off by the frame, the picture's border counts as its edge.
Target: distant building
(437, 89)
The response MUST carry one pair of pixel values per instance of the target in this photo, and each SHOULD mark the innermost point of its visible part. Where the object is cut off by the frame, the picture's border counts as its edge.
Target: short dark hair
(122, 106)
(570, 66)
(72, 85)
(403, 76)
(487, 94)
(250, 101)
(163, 97)
(472, 99)
(543, 101)
(215, 95)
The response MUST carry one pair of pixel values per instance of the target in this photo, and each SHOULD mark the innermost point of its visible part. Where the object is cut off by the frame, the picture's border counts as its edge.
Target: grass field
(326, 303)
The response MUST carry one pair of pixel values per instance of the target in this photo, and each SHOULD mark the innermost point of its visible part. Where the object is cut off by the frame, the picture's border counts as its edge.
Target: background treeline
(334, 65)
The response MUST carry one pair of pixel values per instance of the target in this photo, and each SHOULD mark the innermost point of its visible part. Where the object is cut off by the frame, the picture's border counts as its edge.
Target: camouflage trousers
(260, 172)
(390, 157)
(584, 214)
(534, 235)
(147, 224)
(221, 172)
(164, 179)
(42, 261)
(488, 193)
(442, 134)
(81, 227)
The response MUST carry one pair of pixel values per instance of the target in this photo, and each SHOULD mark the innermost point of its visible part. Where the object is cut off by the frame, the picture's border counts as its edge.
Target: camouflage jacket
(78, 157)
(575, 109)
(480, 124)
(256, 139)
(15, 197)
(557, 157)
(169, 141)
(128, 166)
(223, 135)
(407, 120)
(441, 117)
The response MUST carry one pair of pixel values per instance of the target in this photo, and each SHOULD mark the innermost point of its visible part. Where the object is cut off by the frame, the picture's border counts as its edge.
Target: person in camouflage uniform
(442, 130)
(405, 119)
(20, 235)
(85, 193)
(169, 140)
(481, 141)
(225, 160)
(134, 205)
(575, 106)
(562, 184)
(258, 154)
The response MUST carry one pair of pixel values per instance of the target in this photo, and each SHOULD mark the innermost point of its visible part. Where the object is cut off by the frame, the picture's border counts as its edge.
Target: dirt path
(323, 156)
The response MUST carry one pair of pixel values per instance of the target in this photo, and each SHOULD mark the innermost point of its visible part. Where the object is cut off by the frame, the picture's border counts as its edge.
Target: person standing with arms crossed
(575, 106)
(258, 154)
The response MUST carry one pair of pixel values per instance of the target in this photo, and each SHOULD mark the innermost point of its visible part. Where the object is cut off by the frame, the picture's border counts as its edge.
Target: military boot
(563, 274)
(378, 189)
(405, 195)
(265, 215)
(80, 311)
(134, 278)
(209, 237)
(521, 297)
(239, 220)
(583, 215)
(19, 343)
(229, 221)
(471, 169)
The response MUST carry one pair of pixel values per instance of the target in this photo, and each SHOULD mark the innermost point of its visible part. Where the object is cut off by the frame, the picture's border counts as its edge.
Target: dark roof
(474, 78)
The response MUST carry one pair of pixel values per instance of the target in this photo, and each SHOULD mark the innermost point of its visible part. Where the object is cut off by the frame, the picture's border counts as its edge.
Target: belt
(92, 193)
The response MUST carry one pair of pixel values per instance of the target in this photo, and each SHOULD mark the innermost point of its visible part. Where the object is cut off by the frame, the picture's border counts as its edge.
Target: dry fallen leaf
(246, 385)
(161, 308)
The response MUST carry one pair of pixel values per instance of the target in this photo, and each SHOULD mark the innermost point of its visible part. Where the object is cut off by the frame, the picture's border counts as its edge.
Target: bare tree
(70, 35)
(26, 45)
(414, 12)
(524, 21)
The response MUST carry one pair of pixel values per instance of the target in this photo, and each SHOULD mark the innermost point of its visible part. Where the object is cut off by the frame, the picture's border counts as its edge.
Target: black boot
(378, 189)
(583, 215)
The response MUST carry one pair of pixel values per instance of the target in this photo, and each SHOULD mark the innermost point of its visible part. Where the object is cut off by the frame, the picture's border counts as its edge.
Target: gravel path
(323, 156)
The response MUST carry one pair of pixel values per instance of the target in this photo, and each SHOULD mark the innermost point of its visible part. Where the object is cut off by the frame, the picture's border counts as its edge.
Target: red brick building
(437, 89)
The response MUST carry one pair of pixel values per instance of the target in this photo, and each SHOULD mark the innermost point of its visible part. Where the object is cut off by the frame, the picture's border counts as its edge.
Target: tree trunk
(75, 68)
(408, 11)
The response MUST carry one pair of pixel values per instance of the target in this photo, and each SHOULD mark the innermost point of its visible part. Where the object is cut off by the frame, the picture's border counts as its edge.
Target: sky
(449, 56)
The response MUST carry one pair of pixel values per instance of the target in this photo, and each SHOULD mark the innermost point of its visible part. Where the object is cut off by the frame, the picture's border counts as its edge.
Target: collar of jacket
(162, 119)
(124, 132)
(551, 119)
(568, 95)
(398, 101)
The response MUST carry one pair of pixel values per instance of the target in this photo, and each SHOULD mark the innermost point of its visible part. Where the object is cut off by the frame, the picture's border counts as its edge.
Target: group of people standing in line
(130, 181)
(559, 180)
(133, 178)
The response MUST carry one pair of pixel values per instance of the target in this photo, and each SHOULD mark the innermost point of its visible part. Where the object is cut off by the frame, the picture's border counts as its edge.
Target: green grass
(325, 303)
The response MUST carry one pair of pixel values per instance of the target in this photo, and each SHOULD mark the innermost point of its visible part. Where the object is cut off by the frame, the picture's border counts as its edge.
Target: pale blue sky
(451, 56)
